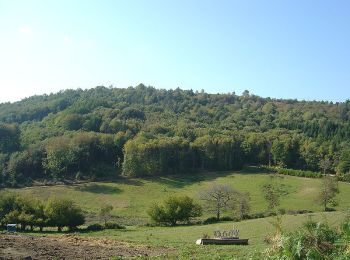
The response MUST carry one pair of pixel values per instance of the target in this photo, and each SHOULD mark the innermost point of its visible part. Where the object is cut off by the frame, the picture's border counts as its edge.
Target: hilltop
(143, 131)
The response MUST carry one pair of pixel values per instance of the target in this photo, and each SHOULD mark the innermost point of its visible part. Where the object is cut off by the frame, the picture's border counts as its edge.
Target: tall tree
(328, 192)
(219, 197)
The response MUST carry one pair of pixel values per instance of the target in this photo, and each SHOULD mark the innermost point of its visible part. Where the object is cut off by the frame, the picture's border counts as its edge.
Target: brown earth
(19, 246)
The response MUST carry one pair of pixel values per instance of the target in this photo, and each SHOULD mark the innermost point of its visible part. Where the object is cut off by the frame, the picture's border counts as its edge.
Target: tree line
(35, 213)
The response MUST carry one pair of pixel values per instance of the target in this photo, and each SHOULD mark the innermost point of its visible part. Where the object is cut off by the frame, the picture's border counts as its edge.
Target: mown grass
(132, 197)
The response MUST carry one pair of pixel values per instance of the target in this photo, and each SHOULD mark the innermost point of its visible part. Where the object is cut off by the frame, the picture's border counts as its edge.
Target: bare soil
(18, 246)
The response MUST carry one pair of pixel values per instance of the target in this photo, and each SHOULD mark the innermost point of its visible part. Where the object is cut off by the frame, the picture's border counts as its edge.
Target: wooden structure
(222, 241)
(229, 237)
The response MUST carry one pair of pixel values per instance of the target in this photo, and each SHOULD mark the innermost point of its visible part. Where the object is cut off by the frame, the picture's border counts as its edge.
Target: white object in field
(199, 242)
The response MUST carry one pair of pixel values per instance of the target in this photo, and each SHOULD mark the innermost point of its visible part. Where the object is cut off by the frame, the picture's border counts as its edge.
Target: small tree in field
(105, 212)
(241, 206)
(328, 192)
(64, 213)
(219, 197)
(273, 193)
(175, 209)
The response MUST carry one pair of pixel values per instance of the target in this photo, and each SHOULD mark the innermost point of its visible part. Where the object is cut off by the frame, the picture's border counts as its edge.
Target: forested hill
(145, 131)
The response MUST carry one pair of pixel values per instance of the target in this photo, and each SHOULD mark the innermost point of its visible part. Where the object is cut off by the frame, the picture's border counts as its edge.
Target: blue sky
(281, 49)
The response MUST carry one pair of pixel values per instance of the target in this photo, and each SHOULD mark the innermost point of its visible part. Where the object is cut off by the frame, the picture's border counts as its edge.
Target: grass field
(181, 239)
(132, 197)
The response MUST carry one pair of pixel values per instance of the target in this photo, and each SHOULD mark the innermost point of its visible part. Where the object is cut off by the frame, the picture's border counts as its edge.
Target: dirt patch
(70, 247)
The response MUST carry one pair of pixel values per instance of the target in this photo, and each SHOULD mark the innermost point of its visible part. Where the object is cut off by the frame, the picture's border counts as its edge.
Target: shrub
(64, 213)
(314, 241)
(175, 209)
(113, 225)
(228, 219)
(210, 220)
(95, 227)
(298, 173)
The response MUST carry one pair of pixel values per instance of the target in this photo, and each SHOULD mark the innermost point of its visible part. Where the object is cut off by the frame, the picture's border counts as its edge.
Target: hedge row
(301, 173)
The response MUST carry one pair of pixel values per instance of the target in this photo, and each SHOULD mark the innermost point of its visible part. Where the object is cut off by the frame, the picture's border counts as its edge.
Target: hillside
(131, 198)
(143, 131)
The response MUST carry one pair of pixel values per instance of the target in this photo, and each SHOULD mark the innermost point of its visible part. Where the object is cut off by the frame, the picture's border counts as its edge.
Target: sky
(279, 49)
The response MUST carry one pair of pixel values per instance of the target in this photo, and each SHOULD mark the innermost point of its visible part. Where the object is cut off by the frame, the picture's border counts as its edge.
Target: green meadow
(182, 238)
(131, 198)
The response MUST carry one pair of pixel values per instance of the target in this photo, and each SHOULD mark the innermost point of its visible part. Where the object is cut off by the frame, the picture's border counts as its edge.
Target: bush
(175, 209)
(344, 177)
(64, 213)
(113, 225)
(228, 219)
(314, 241)
(95, 227)
(210, 220)
(298, 173)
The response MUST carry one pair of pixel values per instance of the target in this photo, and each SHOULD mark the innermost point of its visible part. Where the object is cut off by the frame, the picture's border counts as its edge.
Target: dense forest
(143, 131)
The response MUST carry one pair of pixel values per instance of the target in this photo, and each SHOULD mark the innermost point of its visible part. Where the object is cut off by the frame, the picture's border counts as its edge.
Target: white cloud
(25, 30)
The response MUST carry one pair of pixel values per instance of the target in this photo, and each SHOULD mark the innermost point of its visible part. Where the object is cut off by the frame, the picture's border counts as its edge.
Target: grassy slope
(131, 197)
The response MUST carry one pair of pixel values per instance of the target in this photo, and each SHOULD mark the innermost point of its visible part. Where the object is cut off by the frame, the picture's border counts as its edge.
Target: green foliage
(21, 210)
(316, 240)
(273, 191)
(105, 213)
(156, 156)
(328, 192)
(82, 152)
(144, 131)
(175, 209)
(95, 227)
(219, 197)
(113, 225)
(63, 213)
(9, 137)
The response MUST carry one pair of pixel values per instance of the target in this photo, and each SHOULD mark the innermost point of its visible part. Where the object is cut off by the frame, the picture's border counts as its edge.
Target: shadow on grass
(98, 188)
(182, 180)
(122, 180)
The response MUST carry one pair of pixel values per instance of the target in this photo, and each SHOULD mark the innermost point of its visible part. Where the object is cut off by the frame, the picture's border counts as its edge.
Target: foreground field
(132, 197)
(156, 242)
(71, 247)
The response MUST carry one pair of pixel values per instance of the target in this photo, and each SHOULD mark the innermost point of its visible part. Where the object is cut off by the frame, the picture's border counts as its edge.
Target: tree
(175, 209)
(272, 193)
(64, 213)
(325, 165)
(242, 207)
(328, 192)
(219, 197)
(105, 212)
(7, 203)
(343, 166)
